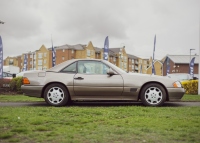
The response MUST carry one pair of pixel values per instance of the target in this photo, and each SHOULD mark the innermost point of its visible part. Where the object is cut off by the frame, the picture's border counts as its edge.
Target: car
(98, 80)
(180, 76)
(7, 75)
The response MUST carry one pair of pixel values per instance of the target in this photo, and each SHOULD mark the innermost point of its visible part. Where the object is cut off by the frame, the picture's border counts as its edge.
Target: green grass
(20, 98)
(98, 124)
(188, 97)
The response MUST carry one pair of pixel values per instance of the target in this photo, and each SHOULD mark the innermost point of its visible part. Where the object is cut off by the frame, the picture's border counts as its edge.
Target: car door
(92, 82)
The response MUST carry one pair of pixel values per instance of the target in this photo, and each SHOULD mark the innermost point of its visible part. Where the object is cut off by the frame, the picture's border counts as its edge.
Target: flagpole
(53, 54)
(153, 68)
(1, 58)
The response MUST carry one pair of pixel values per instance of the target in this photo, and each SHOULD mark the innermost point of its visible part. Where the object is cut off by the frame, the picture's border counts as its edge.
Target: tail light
(26, 81)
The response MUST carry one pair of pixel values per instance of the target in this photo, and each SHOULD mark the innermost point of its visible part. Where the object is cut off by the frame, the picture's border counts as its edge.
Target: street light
(190, 54)
(1, 22)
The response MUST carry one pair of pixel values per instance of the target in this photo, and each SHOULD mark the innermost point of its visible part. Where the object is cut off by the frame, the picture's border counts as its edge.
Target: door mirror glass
(110, 72)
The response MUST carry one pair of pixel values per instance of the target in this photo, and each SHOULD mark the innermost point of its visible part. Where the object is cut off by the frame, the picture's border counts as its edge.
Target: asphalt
(103, 104)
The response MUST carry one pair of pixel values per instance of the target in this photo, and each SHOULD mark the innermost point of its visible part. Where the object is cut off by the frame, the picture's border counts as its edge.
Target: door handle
(79, 78)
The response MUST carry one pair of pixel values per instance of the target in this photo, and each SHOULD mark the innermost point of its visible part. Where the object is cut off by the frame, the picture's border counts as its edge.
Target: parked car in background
(180, 76)
(7, 75)
(96, 79)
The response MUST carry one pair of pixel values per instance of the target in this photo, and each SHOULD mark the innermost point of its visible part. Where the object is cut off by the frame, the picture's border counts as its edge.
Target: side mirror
(14, 75)
(110, 72)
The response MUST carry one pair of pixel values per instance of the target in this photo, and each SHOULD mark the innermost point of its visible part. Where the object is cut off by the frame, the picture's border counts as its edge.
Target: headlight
(177, 84)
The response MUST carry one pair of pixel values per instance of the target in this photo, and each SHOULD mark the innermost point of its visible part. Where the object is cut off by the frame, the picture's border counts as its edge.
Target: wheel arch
(167, 98)
(43, 89)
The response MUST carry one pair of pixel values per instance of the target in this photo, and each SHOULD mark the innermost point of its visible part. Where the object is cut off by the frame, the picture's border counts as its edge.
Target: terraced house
(41, 59)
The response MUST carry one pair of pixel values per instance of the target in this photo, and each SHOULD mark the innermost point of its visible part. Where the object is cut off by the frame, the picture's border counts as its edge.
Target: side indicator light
(26, 81)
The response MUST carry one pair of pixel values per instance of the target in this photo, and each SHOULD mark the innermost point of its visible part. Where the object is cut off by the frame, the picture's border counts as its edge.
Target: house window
(44, 68)
(45, 61)
(39, 67)
(10, 61)
(125, 65)
(125, 59)
(63, 50)
(72, 51)
(63, 58)
(31, 63)
(39, 62)
(88, 53)
(40, 55)
(45, 54)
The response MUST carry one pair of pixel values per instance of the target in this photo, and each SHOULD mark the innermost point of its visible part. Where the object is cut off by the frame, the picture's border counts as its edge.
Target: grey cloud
(132, 23)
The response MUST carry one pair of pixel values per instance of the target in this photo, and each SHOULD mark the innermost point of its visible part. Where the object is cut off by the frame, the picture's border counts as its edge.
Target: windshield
(112, 65)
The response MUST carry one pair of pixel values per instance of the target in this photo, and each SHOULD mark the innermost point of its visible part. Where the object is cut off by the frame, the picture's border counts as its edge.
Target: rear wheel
(153, 94)
(56, 95)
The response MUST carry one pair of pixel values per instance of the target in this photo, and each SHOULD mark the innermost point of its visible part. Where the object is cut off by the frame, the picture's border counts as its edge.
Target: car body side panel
(175, 94)
(134, 82)
(33, 91)
(99, 87)
(50, 77)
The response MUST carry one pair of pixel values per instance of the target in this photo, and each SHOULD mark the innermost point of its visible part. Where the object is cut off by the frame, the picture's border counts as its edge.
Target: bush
(15, 84)
(190, 86)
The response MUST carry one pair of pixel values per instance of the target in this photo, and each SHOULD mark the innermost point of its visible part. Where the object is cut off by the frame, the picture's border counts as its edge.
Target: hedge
(190, 86)
(15, 84)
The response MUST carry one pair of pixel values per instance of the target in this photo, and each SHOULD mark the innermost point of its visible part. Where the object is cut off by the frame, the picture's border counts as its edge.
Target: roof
(115, 50)
(97, 49)
(66, 46)
(183, 59)
(132, 56)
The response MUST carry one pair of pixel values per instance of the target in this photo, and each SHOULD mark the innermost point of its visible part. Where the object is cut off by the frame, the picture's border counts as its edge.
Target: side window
(92, 67)
(9, 75)
(70, 69)
(4, 74)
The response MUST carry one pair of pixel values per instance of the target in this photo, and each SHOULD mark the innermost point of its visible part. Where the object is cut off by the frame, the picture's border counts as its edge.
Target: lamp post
(1, 22)
(190, 54)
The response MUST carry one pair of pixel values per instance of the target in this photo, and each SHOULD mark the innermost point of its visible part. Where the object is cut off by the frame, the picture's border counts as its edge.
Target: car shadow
(115, 104)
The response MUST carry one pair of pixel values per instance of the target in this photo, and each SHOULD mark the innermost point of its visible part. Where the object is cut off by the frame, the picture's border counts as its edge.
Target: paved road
(103, 104)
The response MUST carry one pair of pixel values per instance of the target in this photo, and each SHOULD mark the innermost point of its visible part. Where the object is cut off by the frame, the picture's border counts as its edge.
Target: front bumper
(33, 91)
(175, 94)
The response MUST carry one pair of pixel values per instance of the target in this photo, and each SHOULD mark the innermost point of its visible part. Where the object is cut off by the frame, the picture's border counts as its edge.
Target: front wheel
(153, 94)
(56, 95)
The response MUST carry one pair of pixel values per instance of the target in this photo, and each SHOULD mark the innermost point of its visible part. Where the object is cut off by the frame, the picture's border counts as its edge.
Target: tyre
(56, 95)
(153, 94)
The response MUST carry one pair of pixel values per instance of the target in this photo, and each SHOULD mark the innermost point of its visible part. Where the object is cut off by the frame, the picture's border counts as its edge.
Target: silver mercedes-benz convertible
(100, 80)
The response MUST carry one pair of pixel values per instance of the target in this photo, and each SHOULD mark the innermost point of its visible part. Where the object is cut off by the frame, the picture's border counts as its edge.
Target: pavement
(103, 104)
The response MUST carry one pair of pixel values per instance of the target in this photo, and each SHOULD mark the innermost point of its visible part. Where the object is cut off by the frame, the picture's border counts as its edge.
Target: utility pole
(1, 22)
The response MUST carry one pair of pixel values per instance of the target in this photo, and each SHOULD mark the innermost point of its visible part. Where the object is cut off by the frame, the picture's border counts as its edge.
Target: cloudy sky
(131, 23)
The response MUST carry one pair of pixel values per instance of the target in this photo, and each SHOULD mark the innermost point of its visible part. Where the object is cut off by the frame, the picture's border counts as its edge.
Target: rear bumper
(33, 91)
(175, 94)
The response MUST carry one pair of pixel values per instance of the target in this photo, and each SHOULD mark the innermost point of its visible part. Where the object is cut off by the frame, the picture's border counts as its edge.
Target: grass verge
(100, 124)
